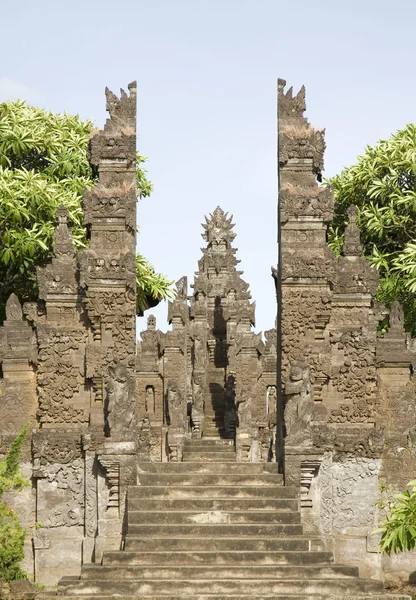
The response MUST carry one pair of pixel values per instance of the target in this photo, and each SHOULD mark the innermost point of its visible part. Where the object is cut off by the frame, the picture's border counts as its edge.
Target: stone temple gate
(198, 444)
(210, 376)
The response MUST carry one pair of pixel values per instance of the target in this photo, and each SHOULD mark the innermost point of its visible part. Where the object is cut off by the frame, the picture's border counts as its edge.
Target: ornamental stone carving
(120, 415)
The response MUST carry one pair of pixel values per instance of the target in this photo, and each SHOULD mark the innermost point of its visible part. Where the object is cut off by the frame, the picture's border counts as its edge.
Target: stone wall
(347, 393)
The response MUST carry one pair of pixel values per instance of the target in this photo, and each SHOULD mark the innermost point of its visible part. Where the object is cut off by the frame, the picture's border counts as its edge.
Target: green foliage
(43, 164)
(144, 186)
(151, 286)
(12, 539)
(10, 475)
(398, 531)
(12, 534)
(382, 184)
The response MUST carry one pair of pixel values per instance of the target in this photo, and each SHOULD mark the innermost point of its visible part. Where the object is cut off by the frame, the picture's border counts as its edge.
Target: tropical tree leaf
(43, 164)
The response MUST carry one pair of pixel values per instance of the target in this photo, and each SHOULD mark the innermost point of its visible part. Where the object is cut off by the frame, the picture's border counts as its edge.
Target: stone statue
(13, 309)
(271, 404)
(176, 407)
(298, 409)
(198, 352)
(120, 403)
(244, 410)
(149, 401)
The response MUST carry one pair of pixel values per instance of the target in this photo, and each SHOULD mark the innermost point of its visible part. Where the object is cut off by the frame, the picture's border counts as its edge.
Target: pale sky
(206, 72)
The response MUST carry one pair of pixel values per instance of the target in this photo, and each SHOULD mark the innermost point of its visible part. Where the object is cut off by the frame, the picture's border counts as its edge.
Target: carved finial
(64, 245)
(122, 110)
(62, 215)
(352, 245)
(289, 106)
(13, 309)
(396, 316)
(151, 323)
(182, 287)
(218, 227)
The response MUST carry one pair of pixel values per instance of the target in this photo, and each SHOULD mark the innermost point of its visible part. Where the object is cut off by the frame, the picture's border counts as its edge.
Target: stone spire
(59, 277)
(217, 275)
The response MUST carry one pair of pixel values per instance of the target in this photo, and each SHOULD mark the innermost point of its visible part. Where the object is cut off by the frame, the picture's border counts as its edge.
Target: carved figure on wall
(198, 352)
(244, 410)
(271, 400)
(120, 402)
(299, 406)
(149, 400)
(176, 407)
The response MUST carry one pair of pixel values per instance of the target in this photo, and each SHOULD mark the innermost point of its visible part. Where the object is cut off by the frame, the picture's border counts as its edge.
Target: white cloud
(11, 90)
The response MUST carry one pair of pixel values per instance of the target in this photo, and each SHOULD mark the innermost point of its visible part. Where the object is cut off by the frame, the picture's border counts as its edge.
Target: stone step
(228, 572)
(212, 491)
(204, 457)
(217, 529)
(376, 596)
(215, 557)
(192, 479)
(217, 544)
(243, 587)
(242, 468)
(216, 435)
(195, 517)
(207, 442)
(209, 448)
(226, 454)
(209, 504)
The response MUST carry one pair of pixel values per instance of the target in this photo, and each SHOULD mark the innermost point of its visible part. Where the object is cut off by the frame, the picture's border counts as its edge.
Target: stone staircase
(212, 449)
(201, 530)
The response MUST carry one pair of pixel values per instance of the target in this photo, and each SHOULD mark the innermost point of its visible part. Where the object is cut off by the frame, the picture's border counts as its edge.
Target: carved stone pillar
(107, 266)
(18, 356)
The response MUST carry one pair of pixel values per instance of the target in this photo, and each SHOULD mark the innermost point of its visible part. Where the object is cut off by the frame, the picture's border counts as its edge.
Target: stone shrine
(208, 459)
(210, 376)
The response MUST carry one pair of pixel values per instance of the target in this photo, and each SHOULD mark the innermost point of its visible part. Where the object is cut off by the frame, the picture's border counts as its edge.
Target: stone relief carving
(57, 461)
(120, 403)
(244, 410)
(176, 406)
(298, 407)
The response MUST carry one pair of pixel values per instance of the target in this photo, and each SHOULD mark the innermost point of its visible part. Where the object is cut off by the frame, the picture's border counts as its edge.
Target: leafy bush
(399, 529)
(12, 534)
(12, 538)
